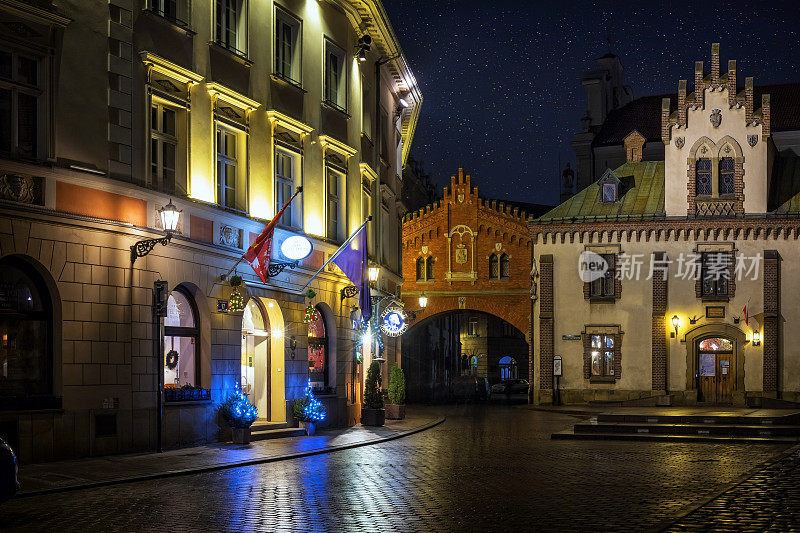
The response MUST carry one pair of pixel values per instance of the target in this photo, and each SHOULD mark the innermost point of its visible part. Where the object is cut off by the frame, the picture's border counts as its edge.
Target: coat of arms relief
(461, 254)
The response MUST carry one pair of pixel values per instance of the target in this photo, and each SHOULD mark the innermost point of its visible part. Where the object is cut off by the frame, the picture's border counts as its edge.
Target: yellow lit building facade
(225, 107)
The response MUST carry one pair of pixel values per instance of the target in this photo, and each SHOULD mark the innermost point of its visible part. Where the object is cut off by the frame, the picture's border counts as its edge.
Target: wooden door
(725, 378)
(707, 374)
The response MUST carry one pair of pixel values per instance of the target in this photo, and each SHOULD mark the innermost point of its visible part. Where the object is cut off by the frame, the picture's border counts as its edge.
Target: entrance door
(255, 377)
(715, 370)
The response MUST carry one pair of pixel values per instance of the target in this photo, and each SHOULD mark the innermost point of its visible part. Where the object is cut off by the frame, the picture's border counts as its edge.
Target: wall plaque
(715, 311)
(570, 337)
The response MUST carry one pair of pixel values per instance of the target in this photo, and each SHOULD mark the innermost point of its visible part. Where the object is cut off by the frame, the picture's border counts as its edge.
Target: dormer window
(609, 192)
(609, 187)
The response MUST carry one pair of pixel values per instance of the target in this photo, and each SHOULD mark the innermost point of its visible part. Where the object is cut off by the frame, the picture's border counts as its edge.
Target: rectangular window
(429, 268)
(603, 287)
(420, 269)
(703, 178)
(715, 273)
(726, 175)
(173, 10)
(335, 79)
(287, 47)
(472, 326)
(602, 355)
(163, 147)
(230, 25)
(367, 105)
(609, 192)
(335, 180)
(383, 133)
(19, 104)
(287, 178)
(227, 163)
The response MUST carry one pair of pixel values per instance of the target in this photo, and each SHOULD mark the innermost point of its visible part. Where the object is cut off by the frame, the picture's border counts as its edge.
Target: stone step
(731, 430)
(280, 433)
(649, 437)
(260, 425)
(710, 419)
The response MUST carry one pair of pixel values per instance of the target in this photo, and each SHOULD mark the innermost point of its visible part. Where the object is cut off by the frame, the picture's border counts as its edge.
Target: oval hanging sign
(393, 322)
(296, 247)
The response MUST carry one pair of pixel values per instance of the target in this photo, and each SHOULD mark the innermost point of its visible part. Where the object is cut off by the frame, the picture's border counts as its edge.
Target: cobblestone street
(486, 469)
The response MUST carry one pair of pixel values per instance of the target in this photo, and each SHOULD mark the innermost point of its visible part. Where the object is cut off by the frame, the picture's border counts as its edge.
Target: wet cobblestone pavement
(485, 469)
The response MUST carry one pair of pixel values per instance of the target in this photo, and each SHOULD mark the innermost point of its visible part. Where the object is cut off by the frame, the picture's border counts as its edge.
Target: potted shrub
(396, 408)
(372, 413)
(308, 410)
(240, 414)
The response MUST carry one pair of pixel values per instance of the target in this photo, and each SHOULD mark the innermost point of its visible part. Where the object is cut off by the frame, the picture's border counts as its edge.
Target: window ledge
(181, 403)
(715, 298)
(602, 299)
(283, 80)
(237, 54)
(602, 379)
(335, 107)
(174, 22)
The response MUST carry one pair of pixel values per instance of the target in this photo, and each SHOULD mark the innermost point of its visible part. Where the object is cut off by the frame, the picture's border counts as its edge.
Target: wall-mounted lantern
(170, 215)
(675, 322)
(423, 301)
(374, 272)
(756, 338)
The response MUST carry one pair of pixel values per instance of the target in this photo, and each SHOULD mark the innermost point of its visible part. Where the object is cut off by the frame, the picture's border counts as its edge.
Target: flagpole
(272, 222)
(337, 252)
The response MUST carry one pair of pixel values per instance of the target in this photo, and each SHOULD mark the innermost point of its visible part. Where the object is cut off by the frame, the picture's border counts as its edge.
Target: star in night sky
(501, 78)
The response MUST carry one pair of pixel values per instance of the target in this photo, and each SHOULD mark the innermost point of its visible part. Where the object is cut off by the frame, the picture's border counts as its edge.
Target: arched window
(429, 268)
(420, 269)
(473, 365)
(508, 368)
(504, 266)
(726, 167)
(181, 336)
(26, 337)
(318, 352)
(703, 177)
(494, 267)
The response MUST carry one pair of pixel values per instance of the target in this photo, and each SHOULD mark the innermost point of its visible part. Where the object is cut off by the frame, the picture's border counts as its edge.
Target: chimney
(731, 82)
(748, 99)
(460, 175)
(682, 103)
(665, 120)
(765, 127)
(699, 85)
(634, 145)
(715, 64)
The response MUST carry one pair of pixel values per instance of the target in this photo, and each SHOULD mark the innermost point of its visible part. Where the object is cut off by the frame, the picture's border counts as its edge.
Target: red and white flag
(746, 311)
(260, 252)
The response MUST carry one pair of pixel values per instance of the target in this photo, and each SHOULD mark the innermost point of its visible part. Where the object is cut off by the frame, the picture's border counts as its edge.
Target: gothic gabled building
(677, 276)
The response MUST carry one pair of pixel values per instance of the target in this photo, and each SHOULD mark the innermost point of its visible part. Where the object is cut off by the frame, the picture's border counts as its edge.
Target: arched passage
(448, 348)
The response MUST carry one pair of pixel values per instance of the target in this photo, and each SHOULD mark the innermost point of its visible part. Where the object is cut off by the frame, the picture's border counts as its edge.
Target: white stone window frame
(714, 153)
(40, 92)
(286, 19)
(223, 28)
(294, 180)
(338, 100)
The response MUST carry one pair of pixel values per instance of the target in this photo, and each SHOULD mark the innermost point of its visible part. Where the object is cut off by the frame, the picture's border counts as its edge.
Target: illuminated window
(228, 168)
(472, 326)
(335, 78)
(20, 95)
(726, 174)
(335, 184)
(318, 352)
(508, 368)
(231, 25)
(163, 147)
(602, 355)
(287, 178)
(288, 47)
(703, 176)
(176, 11)
(181, 346)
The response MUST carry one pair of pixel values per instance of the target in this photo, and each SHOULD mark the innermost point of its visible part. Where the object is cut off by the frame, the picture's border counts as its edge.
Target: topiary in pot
(240, 414)
(373, 414)
(396, 408)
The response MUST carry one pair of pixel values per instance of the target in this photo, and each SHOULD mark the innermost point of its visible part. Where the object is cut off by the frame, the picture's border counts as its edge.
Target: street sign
(570, 337)
(393, 322)
(557, 366)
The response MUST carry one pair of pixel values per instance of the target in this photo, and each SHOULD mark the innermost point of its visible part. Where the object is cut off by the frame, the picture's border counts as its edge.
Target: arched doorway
(256, 361)
(508, 368)
(715, 370)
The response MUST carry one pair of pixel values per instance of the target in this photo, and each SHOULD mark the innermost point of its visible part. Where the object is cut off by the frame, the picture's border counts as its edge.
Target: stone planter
(372, 417)
(310, 427)
(395, 411)
(241, 435)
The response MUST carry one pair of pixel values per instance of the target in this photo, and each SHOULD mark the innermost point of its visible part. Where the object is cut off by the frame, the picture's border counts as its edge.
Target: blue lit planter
(187, 395)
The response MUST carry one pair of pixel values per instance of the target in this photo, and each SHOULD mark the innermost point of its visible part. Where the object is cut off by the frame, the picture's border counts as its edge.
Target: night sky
(501, 79)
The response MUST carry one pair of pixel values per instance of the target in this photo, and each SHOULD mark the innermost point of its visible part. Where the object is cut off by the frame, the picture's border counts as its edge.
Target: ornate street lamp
(374, 272)
(170, 215)
(675, 324)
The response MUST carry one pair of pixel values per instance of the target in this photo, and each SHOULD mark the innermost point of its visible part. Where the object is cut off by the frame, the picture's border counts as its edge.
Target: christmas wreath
(172, 359)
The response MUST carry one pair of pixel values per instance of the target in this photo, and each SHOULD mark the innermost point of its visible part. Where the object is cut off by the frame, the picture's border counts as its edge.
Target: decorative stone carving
(461, 198)
(425, 249)
(679, 142)
(228, 236)
(498, 246)
(716, 118)
(25, 189)
(461, 254)
(462, 302)
(752, 140)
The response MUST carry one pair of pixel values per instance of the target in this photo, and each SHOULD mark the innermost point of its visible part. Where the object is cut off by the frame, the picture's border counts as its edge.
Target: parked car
(510, 389)
(9, 484)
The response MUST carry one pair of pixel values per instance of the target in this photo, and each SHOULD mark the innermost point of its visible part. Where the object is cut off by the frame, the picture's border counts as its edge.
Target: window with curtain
(181, 341)
(726, 175)
(703, 177)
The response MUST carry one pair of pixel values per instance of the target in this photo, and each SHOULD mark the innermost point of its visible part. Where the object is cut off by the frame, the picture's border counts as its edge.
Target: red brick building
(466, 252)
